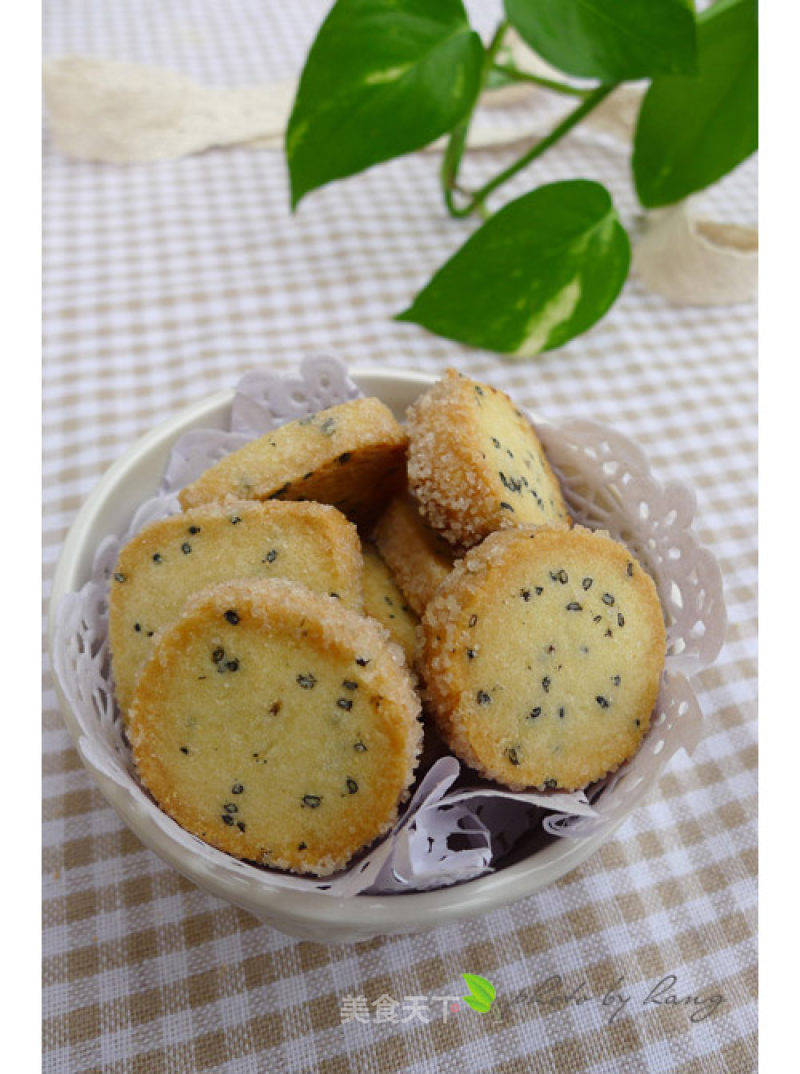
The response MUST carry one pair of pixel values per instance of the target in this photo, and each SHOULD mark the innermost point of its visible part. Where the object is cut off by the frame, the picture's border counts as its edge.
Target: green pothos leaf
(539, 272)
(383, 78)
(693, 130)
(612, 40)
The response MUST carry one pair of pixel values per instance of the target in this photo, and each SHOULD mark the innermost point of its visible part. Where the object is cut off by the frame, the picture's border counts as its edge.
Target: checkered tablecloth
(165, 282)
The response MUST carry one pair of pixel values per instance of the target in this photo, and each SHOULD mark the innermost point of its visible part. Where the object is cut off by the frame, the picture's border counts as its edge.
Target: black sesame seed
(275, 708)
(301, 846)
(137, 627)
(362, 661)
(270, 557)
(538, 590)
(608, 599)
(630, 570)
(596, 618)
(158, 558)
(308, 682)
(620, 619)
(231, 807)
(194, 529)
(511, 483)
(587, 583)
(218, 655)
(602, 701)
(119, 577)
(495, 441)
(232, 617)
(546, 684)
(608, 634)
(227, 819)
(311, 800)
(616, 680)
(149, 633)
(470, 654)
(359, 747)
(484, 698)
(573, 606)
(638, 723)
(525, 594)
(506, 506)
(348, 684)
(478, 389)
(352, 786)
(534, 713)
(512, 755)
(237, 788)
(344, 456)
(240, 825)
(473, 619)
(186, 548)
(551, 784)
(562, 712)
(235, 520)
(344, 703)
(232, 665)
(184, 749)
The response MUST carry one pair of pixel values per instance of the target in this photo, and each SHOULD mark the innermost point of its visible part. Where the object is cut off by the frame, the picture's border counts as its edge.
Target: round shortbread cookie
(418, 557)
(384, 601)
(276, 725)
(475, 463)
(542, 656)
(351, 456)
(168, 560)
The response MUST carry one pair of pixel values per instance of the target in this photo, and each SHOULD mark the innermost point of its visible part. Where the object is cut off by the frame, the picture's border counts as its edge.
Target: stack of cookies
(273, 645)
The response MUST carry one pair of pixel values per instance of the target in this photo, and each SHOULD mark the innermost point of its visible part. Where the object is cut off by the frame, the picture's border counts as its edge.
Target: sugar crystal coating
(475, 463)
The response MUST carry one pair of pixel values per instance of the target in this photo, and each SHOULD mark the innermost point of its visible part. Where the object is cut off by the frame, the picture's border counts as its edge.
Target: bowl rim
(401, 911)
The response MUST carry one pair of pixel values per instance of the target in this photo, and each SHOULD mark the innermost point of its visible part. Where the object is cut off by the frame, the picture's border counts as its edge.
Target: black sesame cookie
(276, 725)
(167, 561)
(418, 557)
(351, 456)
(475, 463)
(384, 601)
(542, 656)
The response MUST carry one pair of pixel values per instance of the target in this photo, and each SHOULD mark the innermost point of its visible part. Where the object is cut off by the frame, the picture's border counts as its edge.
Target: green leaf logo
(482, 992)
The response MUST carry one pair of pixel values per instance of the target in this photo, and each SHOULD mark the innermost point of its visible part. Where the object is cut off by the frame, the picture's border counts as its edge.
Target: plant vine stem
(458, 139)
(525, 76)
(479, 196)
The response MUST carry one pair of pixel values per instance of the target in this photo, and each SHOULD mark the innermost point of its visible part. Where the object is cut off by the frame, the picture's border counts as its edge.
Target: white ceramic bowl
(312, 915)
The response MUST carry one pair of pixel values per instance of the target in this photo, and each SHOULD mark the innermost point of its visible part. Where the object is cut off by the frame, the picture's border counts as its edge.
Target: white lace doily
(442, 838)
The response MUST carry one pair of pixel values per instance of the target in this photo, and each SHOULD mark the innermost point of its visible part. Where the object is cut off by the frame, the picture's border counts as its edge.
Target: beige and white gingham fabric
(166, 281)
